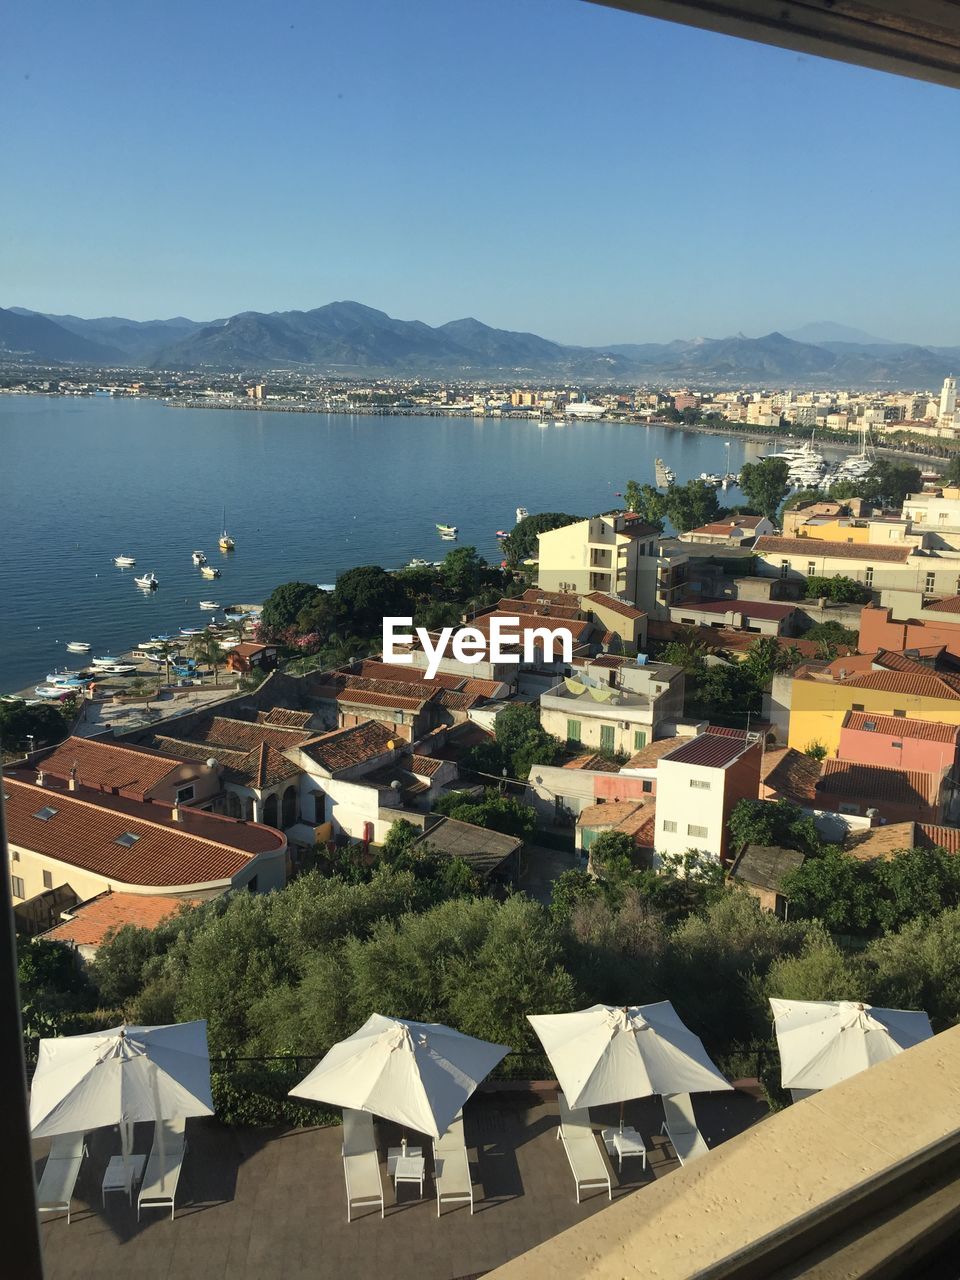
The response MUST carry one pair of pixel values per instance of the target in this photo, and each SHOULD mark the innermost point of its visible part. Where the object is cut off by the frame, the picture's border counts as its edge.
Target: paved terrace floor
(260, 1204)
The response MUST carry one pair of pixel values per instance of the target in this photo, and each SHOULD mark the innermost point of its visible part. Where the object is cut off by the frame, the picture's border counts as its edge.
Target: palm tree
(167, 651)
(207, 648)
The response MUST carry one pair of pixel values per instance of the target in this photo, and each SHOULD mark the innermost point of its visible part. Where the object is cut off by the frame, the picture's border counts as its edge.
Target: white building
(948, 399)
(698, 785)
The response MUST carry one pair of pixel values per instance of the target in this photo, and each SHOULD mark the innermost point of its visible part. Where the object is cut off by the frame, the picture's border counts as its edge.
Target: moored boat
(209, 571)
(522, 514)
(78, 646)
(125, 562)
(50, 691)
(209, 604)
(225, 542)
(118, 669)
(447, 530)
(198, 557)
(106, 661)
(149, 582)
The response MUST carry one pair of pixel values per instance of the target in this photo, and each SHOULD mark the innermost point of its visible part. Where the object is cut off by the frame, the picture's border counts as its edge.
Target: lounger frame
(60, 1173)
(361, 1163)
(451, 1167)
(174, 1149)
(587, 1164)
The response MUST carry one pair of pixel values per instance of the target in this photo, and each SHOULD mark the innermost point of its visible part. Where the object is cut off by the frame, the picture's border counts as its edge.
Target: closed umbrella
(606, 1054)
(121, 1076)
(418, 1074)
(822, 1042)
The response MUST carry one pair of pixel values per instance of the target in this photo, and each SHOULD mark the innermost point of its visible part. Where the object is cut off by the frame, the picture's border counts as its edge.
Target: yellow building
(819, 703)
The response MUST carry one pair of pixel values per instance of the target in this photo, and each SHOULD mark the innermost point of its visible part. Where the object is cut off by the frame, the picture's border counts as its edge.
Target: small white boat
(191, 631)
(124, 562)
(78, 646)
(106, 661)
(209, 604)
(51, 691)
(417, 563)
(209, 571)
(447, 530)
(63, 677)
(198, 557)
(118, 669)
(522, 514)
(149, 582)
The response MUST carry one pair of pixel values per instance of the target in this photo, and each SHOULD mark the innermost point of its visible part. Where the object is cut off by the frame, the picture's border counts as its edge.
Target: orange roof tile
(820, 548)
(91, 921)
(901, 727)
(242, 735)
(623, 607)
(932, 685)
(791, 774)
(86, 827)
(877, 782)
(109, 766)
(610, 814)
(345, 748)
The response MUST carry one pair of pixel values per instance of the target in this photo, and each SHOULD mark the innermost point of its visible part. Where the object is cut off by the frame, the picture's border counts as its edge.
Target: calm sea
(306, 495)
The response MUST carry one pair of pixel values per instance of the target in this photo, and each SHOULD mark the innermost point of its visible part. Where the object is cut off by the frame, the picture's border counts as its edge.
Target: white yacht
(125, 562)
(209, 604)
(198, 558)
(149, 581)
(522, 514)
(78, 646)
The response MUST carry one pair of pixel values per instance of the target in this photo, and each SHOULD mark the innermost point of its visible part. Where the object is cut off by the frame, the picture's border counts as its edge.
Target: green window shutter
(639, 739)
(587, 837)
(573, 730)
(606, 737)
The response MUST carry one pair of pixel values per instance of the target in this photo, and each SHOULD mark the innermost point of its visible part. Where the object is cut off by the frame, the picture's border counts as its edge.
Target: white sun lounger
(580, 1143)
(361, 1164)
(60, 1173)
(159, 1186)
(680, 1126)
(451, 1168)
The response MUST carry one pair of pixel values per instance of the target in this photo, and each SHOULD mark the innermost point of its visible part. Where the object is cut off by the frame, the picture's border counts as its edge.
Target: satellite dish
(212, 763)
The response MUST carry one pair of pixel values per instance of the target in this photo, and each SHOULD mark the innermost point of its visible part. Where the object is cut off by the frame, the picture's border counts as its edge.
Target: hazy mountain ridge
(353, 339)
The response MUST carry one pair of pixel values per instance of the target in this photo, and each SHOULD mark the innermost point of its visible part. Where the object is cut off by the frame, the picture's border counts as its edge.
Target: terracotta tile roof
(928, 836)
(948, 604)
(710, 750)
(901, 727)
(372, 669)
(482, 688)
(894, 660)
(647, 757)
(551, 597)
(745, 525)
(931, 685)
(390, 701)
(791, 774)
(92, 921)
(726, 731)
(817, 548)
(457, 700)
(610, 814)
(749, 608)
(594, 761)
(641, 824)
(426, 766)
(261, 766)
(529, 622)
(530, 607)
(345, 748)
(282, 718)
(109, 766)
(248, 648)
(242, 735)
(614, 605)
(84, 833)
(877, 782)
(613, 661)
(455, 743)
(881, 842)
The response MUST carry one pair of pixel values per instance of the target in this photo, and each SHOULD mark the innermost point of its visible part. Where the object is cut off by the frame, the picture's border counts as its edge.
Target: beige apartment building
(617, 554)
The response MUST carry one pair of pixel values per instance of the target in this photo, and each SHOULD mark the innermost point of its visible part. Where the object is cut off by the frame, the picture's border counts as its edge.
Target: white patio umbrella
(418, 1074)
(822, 1042)
(606, 1054)
(121, 1076)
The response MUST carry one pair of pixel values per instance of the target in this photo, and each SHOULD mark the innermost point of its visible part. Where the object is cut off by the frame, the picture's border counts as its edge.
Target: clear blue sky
(540, 164)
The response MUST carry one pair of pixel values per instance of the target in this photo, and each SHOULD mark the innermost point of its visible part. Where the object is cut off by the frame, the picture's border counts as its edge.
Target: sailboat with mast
(226, 543)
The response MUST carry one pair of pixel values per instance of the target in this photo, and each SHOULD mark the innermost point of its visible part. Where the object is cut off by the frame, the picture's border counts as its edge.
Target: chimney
(72, 784)
(176, 813)
(39, 777)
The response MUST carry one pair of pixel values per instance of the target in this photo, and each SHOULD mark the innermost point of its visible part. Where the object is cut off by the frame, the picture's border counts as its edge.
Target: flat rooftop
(266, 1204)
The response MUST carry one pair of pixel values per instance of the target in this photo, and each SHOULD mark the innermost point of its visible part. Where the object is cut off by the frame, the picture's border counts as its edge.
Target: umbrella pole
(158, 1123)
(622, 1105)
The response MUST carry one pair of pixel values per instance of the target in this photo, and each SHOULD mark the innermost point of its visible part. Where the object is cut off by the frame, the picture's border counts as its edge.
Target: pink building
(898, 743)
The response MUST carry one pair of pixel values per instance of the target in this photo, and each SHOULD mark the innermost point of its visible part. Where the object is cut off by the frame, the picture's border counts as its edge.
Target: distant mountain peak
(831, 331)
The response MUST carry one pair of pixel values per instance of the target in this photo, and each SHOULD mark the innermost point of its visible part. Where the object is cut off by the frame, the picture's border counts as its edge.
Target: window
(606, 737)
(252, 884)
(899, 713)
(184, 794)
(639, 739)
(46, 813)
(128, 839)
(784, 568)
(868, 576)
(856, 706)
(699, 832)
(16, 886)
(14, 855)
(700, 784)
(647, 786)
(48, 880)
(869, 725)
(573, 730)
(930, 582)
(811, 568)
(669, 826)
(897, 744)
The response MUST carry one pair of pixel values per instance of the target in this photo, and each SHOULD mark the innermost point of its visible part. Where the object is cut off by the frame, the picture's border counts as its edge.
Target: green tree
(915, 884)
(950, 477)
(691, 505)
(765, 659)
(521, 543)
(822, 971)
(45, 724)
(462, 571)
(522, 741)
(833, 634)
(689, 653)
(283, 605)
(611, 857)
(495, 811)
(569, 890)
(368, 594)
(208, 650)
(773, 822)
(647, 502)
(888, 483)
(836, 888)
(765, 484)
(919, 968)
(840, 589)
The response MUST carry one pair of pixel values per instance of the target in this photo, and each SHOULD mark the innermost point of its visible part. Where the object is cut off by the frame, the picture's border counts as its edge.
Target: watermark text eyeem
(505, 642)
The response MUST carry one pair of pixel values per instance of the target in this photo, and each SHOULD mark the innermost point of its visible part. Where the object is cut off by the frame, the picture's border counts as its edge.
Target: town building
(698, 785)
(248, 656)
(759, 617)
(898, 742)
(910, 622)
(761, 871)
(733, 531)
(897, 566)
(622, 716)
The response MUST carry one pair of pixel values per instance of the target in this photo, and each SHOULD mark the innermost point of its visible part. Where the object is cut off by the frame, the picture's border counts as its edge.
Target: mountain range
(349, 338)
